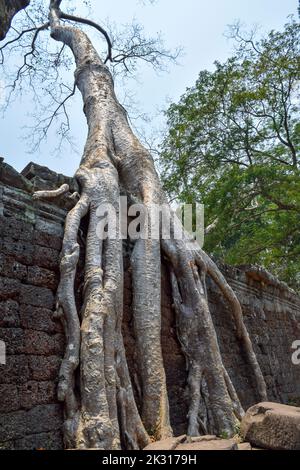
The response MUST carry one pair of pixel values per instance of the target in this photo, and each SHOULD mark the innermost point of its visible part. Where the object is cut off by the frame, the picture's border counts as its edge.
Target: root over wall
(30, 242)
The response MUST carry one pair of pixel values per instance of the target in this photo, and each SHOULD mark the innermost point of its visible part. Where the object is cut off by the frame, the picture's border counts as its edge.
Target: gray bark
(104, 415)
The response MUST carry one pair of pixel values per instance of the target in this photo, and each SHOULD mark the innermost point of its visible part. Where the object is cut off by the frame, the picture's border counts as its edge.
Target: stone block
(46, 257)
(44, 368)
(9, 314)
(9, 398)
(47, 240)
(37, 296)
(21, 251)
(38, 318)
(44, 344)
(11, 268)
(9, 288)
(43, 441)
(14, 340)
(42, 277)
(34, 393)
(40, 419)
(15, 229)
(272, 426)
(15, 371)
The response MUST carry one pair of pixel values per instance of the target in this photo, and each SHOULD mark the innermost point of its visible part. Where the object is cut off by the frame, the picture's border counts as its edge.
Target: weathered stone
(17, 425)
(12, 426)
(47, 240)
(22, 251)
(244, 446)
(46, 257)
(42, 277)
(44, 368)
(40, 343)
(9, 398)
(212, 444)
(166, 444)
(38, 318)
(15, 229)
(43, 418)
(14, 340)
(207, 437)
(8, 175)
(9, 314)
(34, 393)
(54, 180)
(43, 441)
(9, 288)
(9, 445)
(15, 371)
(184, 443)
(11, 268)
(272, 426)
(37, 296)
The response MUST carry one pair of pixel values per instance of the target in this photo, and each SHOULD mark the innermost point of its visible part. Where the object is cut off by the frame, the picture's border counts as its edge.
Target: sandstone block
(213, 444)
(165, 444)
(272, 426)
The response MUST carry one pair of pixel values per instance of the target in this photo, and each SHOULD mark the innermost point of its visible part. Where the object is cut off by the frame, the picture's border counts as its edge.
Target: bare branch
(9, 10)
(99, 28)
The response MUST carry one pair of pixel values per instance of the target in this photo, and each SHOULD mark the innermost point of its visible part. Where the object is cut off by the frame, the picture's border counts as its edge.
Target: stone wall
(31, 233)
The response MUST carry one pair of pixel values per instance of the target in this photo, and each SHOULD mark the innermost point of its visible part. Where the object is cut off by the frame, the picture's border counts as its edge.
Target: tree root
(199, 341)
(102, 413)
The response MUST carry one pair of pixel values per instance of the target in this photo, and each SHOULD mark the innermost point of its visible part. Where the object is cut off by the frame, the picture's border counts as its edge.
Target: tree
(100, 410)
(8, 9)
(233, 143)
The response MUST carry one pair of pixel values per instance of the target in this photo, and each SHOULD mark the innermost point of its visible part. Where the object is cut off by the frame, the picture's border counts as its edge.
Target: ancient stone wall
(31, 233)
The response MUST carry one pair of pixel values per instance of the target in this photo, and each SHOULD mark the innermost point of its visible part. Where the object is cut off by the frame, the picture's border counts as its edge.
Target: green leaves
(233, 144)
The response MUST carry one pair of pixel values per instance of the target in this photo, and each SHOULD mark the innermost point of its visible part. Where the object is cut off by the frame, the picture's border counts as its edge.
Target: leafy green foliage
(233, 144)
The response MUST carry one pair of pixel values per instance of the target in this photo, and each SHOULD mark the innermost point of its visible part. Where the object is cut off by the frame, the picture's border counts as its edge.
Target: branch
(99, 28)
(8, 11)
(211, 227)
(31, 52)
(280, 204)
(25, 31)
(46, 123)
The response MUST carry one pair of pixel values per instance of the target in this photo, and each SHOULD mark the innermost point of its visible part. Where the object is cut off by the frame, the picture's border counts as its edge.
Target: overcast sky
(197, 25)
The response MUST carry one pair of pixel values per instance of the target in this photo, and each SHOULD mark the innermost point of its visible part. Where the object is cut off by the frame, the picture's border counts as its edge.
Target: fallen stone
(212, 444)
(166, 444)
(203, 438)
(244, 446)
(272, 426)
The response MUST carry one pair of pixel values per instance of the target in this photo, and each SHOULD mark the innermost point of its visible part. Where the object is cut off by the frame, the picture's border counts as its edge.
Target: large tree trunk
(8, 9)
(103, 414)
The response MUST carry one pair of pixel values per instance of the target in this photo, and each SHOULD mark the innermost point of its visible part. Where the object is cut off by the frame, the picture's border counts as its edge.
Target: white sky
(197, 25)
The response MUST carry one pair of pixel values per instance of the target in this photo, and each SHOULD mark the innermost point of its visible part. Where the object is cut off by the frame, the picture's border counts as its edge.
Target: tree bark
(8, 9)
(104, 414)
